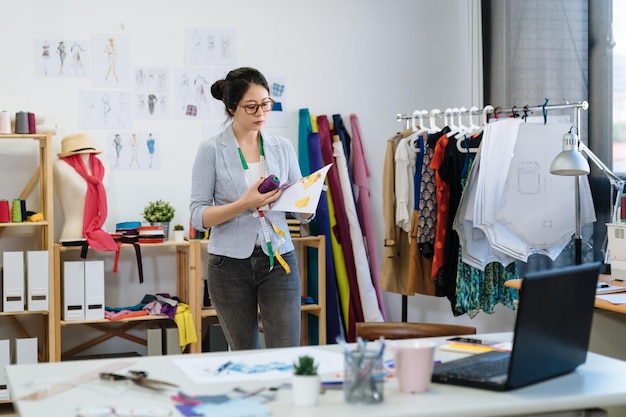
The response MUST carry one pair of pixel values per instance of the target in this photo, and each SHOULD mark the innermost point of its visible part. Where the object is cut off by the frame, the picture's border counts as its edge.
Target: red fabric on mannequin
(95, 203)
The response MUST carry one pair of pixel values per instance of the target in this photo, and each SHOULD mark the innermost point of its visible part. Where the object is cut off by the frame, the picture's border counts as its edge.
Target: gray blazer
(218, 178)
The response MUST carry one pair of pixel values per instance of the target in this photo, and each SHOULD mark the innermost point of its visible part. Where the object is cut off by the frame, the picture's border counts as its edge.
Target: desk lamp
(571, 162)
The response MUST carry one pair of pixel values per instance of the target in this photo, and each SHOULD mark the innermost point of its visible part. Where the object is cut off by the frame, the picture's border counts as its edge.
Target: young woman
(252, 265)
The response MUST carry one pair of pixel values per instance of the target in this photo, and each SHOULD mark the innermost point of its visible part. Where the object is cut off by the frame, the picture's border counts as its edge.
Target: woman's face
(250, 103)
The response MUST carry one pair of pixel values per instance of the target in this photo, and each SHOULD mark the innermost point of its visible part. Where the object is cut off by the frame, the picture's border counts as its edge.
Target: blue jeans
(241, 288)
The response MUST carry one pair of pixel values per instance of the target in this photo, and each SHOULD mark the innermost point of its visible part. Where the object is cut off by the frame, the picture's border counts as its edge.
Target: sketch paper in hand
(304, 195)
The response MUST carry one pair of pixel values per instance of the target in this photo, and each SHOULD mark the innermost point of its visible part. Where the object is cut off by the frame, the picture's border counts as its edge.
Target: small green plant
(305, 365)
(179, 227)
(158, 211)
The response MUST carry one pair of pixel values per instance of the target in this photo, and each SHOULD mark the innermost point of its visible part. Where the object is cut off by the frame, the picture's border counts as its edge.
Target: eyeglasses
(266, 106)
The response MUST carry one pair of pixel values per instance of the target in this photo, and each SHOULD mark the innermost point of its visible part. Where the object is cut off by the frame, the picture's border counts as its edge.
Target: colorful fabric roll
(5, 213)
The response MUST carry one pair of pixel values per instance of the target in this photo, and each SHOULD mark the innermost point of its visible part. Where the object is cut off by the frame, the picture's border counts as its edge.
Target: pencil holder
(364, 376)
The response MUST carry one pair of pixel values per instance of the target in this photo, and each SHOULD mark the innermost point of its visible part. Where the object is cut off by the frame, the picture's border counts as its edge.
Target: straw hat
(77, 144)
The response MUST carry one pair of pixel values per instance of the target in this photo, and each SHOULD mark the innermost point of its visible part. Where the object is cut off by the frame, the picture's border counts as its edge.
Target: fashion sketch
(192, 91)
(61, 58)
(104, 110)
(210, 46)
(111, 61)
(135, 151)
(152, 85)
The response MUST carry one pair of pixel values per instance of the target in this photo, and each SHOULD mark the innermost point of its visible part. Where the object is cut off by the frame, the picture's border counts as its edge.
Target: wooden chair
(408, 330)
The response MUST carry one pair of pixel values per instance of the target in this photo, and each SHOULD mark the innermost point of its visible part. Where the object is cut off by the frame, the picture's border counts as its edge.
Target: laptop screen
(553, 323)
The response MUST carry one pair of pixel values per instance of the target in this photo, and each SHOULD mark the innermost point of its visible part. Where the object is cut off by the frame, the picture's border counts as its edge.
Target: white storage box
(617, 249)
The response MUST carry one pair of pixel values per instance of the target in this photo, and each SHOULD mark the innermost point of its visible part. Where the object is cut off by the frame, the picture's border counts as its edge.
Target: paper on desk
(264, 365)
(616, 298)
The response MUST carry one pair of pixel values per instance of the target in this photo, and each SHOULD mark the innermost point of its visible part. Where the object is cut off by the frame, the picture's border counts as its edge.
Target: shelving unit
(186, 290)
(318, 309)
(41, 179)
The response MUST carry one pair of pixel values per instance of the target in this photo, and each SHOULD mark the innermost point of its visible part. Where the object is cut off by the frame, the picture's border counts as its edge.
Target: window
(619, 88)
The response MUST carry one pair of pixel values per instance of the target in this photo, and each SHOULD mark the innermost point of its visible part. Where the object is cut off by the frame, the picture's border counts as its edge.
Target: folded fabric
(124, 314)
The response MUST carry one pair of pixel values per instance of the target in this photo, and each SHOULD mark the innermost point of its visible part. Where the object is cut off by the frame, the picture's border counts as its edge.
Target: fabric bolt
(360, 178)
(95, 203)
(304, 130)
(367, 292)
(344, 290)
(346, 141)
(342, 227)
(334, 319)
(395, 257)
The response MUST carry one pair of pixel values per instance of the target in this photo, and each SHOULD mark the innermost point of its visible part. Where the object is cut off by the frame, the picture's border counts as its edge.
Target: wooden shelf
(41, 181)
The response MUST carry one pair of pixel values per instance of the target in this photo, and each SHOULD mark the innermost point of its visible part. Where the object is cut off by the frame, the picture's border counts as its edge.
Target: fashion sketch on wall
(210, 46)
(111, 61)
(61, 58)
(152, 93)
(131, 150)
(104, 110)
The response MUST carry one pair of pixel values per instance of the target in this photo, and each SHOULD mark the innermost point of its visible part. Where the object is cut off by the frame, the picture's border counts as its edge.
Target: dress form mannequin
(71, 189)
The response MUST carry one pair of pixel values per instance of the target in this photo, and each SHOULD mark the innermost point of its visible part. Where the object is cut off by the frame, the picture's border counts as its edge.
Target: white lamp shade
(570, 162)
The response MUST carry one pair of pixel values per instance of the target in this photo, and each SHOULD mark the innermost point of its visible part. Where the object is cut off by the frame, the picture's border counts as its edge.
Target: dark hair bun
(217, 90)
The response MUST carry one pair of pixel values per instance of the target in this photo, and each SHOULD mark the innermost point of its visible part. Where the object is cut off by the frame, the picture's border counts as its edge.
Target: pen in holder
(364, 374)
(270, 183)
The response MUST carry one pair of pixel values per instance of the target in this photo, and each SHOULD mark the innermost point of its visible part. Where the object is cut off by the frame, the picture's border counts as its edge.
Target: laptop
(551, 335)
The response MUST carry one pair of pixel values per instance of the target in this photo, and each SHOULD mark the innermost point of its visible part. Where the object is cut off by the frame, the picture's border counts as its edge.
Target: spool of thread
(270, 183)
(21, 122)
(40, 119)
(5, 213)
(23, 210)
(31, 123)
(16, 211)
(5, 123)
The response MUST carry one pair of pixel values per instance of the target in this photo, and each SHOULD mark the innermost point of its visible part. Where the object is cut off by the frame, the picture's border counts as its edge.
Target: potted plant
(179, 233)
(159, 213)
(305, 382)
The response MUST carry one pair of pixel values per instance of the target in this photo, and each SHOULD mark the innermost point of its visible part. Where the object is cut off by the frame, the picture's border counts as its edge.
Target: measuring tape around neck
(262, 216)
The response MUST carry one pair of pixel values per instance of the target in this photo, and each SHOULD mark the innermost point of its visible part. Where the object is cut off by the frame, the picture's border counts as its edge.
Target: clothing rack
(490, 111)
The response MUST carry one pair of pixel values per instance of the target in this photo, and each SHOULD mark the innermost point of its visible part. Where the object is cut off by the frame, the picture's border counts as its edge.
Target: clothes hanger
(431, 116)
(486, 110)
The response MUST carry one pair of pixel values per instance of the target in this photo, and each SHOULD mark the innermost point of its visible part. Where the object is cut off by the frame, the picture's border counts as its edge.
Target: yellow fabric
(314, 127)
(341, 271)
(186, 327)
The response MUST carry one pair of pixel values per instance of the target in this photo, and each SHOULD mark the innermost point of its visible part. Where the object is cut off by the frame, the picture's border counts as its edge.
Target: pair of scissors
(139, 378)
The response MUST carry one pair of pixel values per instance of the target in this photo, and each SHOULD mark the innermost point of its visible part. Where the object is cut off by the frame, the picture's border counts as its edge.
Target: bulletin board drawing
(111, 61)
(61, 58)
(278, 91)
(132, 151)
(152, 93)
(210, 46)
(104, 110)
(192, 89)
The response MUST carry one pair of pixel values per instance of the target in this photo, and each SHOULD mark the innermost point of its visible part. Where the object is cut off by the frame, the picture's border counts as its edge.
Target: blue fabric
(304, 129)
(334, 318)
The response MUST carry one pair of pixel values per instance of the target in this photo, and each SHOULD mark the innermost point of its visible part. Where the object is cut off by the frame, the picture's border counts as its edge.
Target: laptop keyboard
(469, 368)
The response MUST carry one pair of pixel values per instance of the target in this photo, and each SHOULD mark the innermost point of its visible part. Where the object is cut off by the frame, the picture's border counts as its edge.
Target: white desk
(600, 382)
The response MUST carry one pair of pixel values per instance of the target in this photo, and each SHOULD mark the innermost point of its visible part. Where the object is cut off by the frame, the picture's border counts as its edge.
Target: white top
(597, 383)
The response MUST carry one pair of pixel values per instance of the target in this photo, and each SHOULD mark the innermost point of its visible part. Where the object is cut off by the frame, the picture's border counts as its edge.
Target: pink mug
(413, 363)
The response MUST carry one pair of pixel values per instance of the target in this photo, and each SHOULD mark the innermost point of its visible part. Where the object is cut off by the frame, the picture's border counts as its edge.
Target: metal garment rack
(488, 111)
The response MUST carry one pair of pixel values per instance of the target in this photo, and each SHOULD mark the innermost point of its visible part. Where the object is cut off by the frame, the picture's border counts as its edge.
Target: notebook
(551, 335)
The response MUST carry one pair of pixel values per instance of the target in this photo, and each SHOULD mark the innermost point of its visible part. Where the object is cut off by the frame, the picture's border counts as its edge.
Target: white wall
(373, 58)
